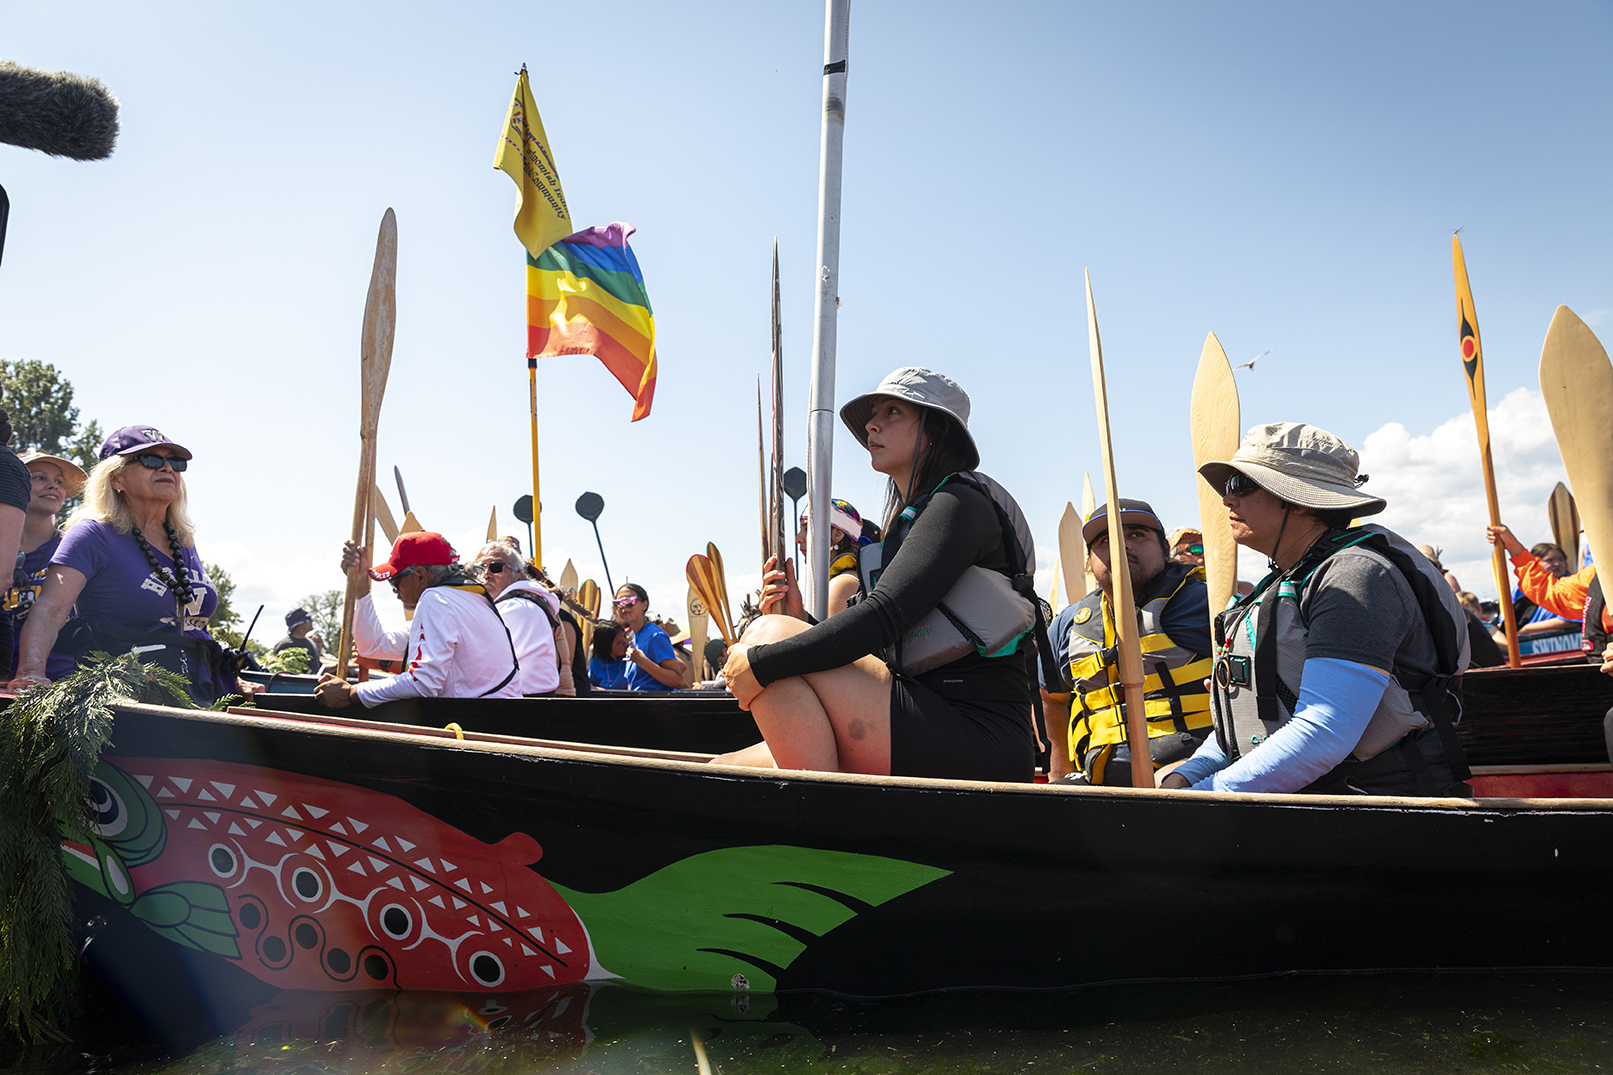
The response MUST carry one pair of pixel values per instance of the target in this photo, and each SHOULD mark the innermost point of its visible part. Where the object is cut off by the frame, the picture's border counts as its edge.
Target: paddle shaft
(537, 504)
(1129, 654)
(761, 473)
(598, 541)
(1472, 352)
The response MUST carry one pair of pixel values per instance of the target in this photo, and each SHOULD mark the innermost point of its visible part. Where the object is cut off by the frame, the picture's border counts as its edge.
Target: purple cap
(132, 439)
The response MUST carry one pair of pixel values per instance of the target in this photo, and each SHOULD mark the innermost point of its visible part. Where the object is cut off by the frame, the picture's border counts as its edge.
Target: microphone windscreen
(58, 113)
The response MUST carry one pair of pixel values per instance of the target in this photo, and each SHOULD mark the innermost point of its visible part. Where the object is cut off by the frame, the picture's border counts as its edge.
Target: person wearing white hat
(822, 694)
(54, 481)
(1341, 672)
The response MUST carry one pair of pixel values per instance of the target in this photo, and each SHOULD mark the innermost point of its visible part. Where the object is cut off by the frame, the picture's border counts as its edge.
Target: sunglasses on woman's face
(1240, 484)
(626, 602)
(153, 461)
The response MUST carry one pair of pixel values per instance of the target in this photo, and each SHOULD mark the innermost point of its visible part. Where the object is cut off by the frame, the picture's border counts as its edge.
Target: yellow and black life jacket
(1174, 697)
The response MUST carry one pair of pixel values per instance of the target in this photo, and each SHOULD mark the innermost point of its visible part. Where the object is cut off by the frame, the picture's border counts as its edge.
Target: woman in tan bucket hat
(1341, 672)
(840, 695)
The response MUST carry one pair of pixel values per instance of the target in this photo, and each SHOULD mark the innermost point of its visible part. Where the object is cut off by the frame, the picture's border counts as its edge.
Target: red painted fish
(311, 884)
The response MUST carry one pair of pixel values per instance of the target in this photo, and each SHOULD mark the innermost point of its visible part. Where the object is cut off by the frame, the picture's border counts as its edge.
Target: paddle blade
(727, 610)
(1072, 555)
(1577, 383)
(568, 578)
(1215, 422)
(492, 525)
(383, 515)
(1472, 351)
(1089, 504)
(1564, 519)
(410, 524)
(702, 575)
(588, 597)
(699, 629)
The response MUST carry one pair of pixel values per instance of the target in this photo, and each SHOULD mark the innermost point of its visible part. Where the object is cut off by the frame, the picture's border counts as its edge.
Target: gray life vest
(985, 611)
(1268, 624)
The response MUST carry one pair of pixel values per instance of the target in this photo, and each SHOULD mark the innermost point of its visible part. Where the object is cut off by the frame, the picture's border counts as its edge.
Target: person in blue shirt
(607, 665)
(652, 666)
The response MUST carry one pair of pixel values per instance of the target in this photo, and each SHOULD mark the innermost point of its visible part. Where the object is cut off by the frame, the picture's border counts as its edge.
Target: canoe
(349, 856)
(1528, 716)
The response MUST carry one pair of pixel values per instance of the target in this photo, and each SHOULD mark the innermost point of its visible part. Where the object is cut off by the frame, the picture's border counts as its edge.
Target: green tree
(224, 615)
(326, 609)
(39, 401)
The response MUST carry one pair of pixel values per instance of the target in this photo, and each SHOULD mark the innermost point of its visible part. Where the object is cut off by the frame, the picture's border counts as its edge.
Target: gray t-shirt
(1359, 607)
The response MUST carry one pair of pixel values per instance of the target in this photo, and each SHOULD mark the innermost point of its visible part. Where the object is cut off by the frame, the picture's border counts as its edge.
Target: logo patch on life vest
(1083, 615)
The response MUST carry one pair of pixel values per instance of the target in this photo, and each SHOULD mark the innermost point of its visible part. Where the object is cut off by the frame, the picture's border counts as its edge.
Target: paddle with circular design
(702, 575)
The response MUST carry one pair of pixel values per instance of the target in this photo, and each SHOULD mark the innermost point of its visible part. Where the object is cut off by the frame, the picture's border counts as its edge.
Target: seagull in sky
(1249, 365)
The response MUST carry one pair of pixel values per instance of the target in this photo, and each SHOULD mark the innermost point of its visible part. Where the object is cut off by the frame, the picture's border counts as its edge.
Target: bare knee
(772, 629)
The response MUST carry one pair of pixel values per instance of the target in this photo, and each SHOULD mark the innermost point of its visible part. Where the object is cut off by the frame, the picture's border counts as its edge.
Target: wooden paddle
(375, 360)
(1089, 504)
(1072, 554)
(703, 579)
(492, 525)
(588, 597)
(1473, 366)
(1053, 591)
(1129, 656)
(722, 586)
(1215, 422)
(383, 515)
(1564, 518)
(410, 524)
(699, 628)
(568, 578)
(1577, 381)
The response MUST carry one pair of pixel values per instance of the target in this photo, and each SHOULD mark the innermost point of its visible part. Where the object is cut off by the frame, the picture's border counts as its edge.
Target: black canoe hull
(1528, 716)
(909, 885)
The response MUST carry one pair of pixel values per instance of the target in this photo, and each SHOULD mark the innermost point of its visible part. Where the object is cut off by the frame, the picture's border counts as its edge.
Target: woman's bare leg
(832, 721)
(757, 757)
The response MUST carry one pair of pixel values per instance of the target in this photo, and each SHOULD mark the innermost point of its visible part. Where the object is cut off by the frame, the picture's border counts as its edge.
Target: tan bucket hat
(1300, 464)
(73, 476)
(915, 384)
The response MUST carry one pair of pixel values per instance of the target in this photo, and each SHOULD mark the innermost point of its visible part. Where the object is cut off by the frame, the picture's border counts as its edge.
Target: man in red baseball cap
(456, 646)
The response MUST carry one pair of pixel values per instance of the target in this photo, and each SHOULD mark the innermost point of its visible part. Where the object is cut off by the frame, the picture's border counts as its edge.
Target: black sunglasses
(1240, 484)
(496, 567)
(153, 461)
(400, 575)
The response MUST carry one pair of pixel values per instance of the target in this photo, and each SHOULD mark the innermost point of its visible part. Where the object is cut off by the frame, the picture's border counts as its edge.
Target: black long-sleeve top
(956, 530)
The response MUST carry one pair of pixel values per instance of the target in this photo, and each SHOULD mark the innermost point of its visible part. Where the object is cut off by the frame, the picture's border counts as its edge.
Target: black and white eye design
(486, 968)
(222, 860)
(110, 814)
(396, 921)
(307, 884)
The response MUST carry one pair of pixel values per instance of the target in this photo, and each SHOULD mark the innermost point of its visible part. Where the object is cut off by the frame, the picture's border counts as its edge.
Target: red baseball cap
(415, 549)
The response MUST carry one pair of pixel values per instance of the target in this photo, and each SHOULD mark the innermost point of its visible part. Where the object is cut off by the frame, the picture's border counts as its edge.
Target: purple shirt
(120, 588)
(20, 601)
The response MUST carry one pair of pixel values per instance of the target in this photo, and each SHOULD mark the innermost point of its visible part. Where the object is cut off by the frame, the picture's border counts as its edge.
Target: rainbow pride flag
(585, 296)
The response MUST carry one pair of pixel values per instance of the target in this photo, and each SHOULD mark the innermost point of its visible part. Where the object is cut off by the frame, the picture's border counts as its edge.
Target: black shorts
(932, 736)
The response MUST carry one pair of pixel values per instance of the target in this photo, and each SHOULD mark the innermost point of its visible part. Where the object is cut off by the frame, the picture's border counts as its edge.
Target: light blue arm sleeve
(1336, 701)
(1207, 759)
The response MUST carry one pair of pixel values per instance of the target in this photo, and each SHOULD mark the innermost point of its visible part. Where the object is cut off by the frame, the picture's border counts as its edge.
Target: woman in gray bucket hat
(832, 696)
(1341, 672)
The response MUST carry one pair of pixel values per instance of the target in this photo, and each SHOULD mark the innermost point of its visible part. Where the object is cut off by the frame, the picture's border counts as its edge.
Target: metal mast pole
(820, 405)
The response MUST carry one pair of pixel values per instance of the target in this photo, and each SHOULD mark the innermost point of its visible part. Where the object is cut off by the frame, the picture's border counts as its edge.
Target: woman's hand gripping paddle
(1577, 382)
(1129, 657)
(1216, 422)
(375, 360)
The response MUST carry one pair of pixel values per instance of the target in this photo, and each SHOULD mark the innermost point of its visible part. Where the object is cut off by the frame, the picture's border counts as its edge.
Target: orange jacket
(1563, 597)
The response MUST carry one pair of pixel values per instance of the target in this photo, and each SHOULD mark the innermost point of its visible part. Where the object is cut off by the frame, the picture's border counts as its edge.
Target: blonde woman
(128, 563)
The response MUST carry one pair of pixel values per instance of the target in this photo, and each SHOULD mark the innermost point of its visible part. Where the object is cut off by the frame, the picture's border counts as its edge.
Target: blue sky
(1285, 175)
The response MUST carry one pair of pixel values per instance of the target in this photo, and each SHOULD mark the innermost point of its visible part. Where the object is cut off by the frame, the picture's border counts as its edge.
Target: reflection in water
(1390, 1024)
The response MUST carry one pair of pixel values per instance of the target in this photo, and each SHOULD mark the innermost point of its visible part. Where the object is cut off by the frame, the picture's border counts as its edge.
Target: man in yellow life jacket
(1174, 616)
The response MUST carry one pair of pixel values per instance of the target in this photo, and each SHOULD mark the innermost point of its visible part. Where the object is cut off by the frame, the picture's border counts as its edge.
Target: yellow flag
(541, 216)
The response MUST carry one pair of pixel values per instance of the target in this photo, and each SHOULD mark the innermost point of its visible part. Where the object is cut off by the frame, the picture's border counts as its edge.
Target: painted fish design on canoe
(312, 884)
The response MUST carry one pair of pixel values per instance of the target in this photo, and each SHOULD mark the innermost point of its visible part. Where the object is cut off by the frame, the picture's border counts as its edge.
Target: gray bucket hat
(915, 384)
(1300, 464)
